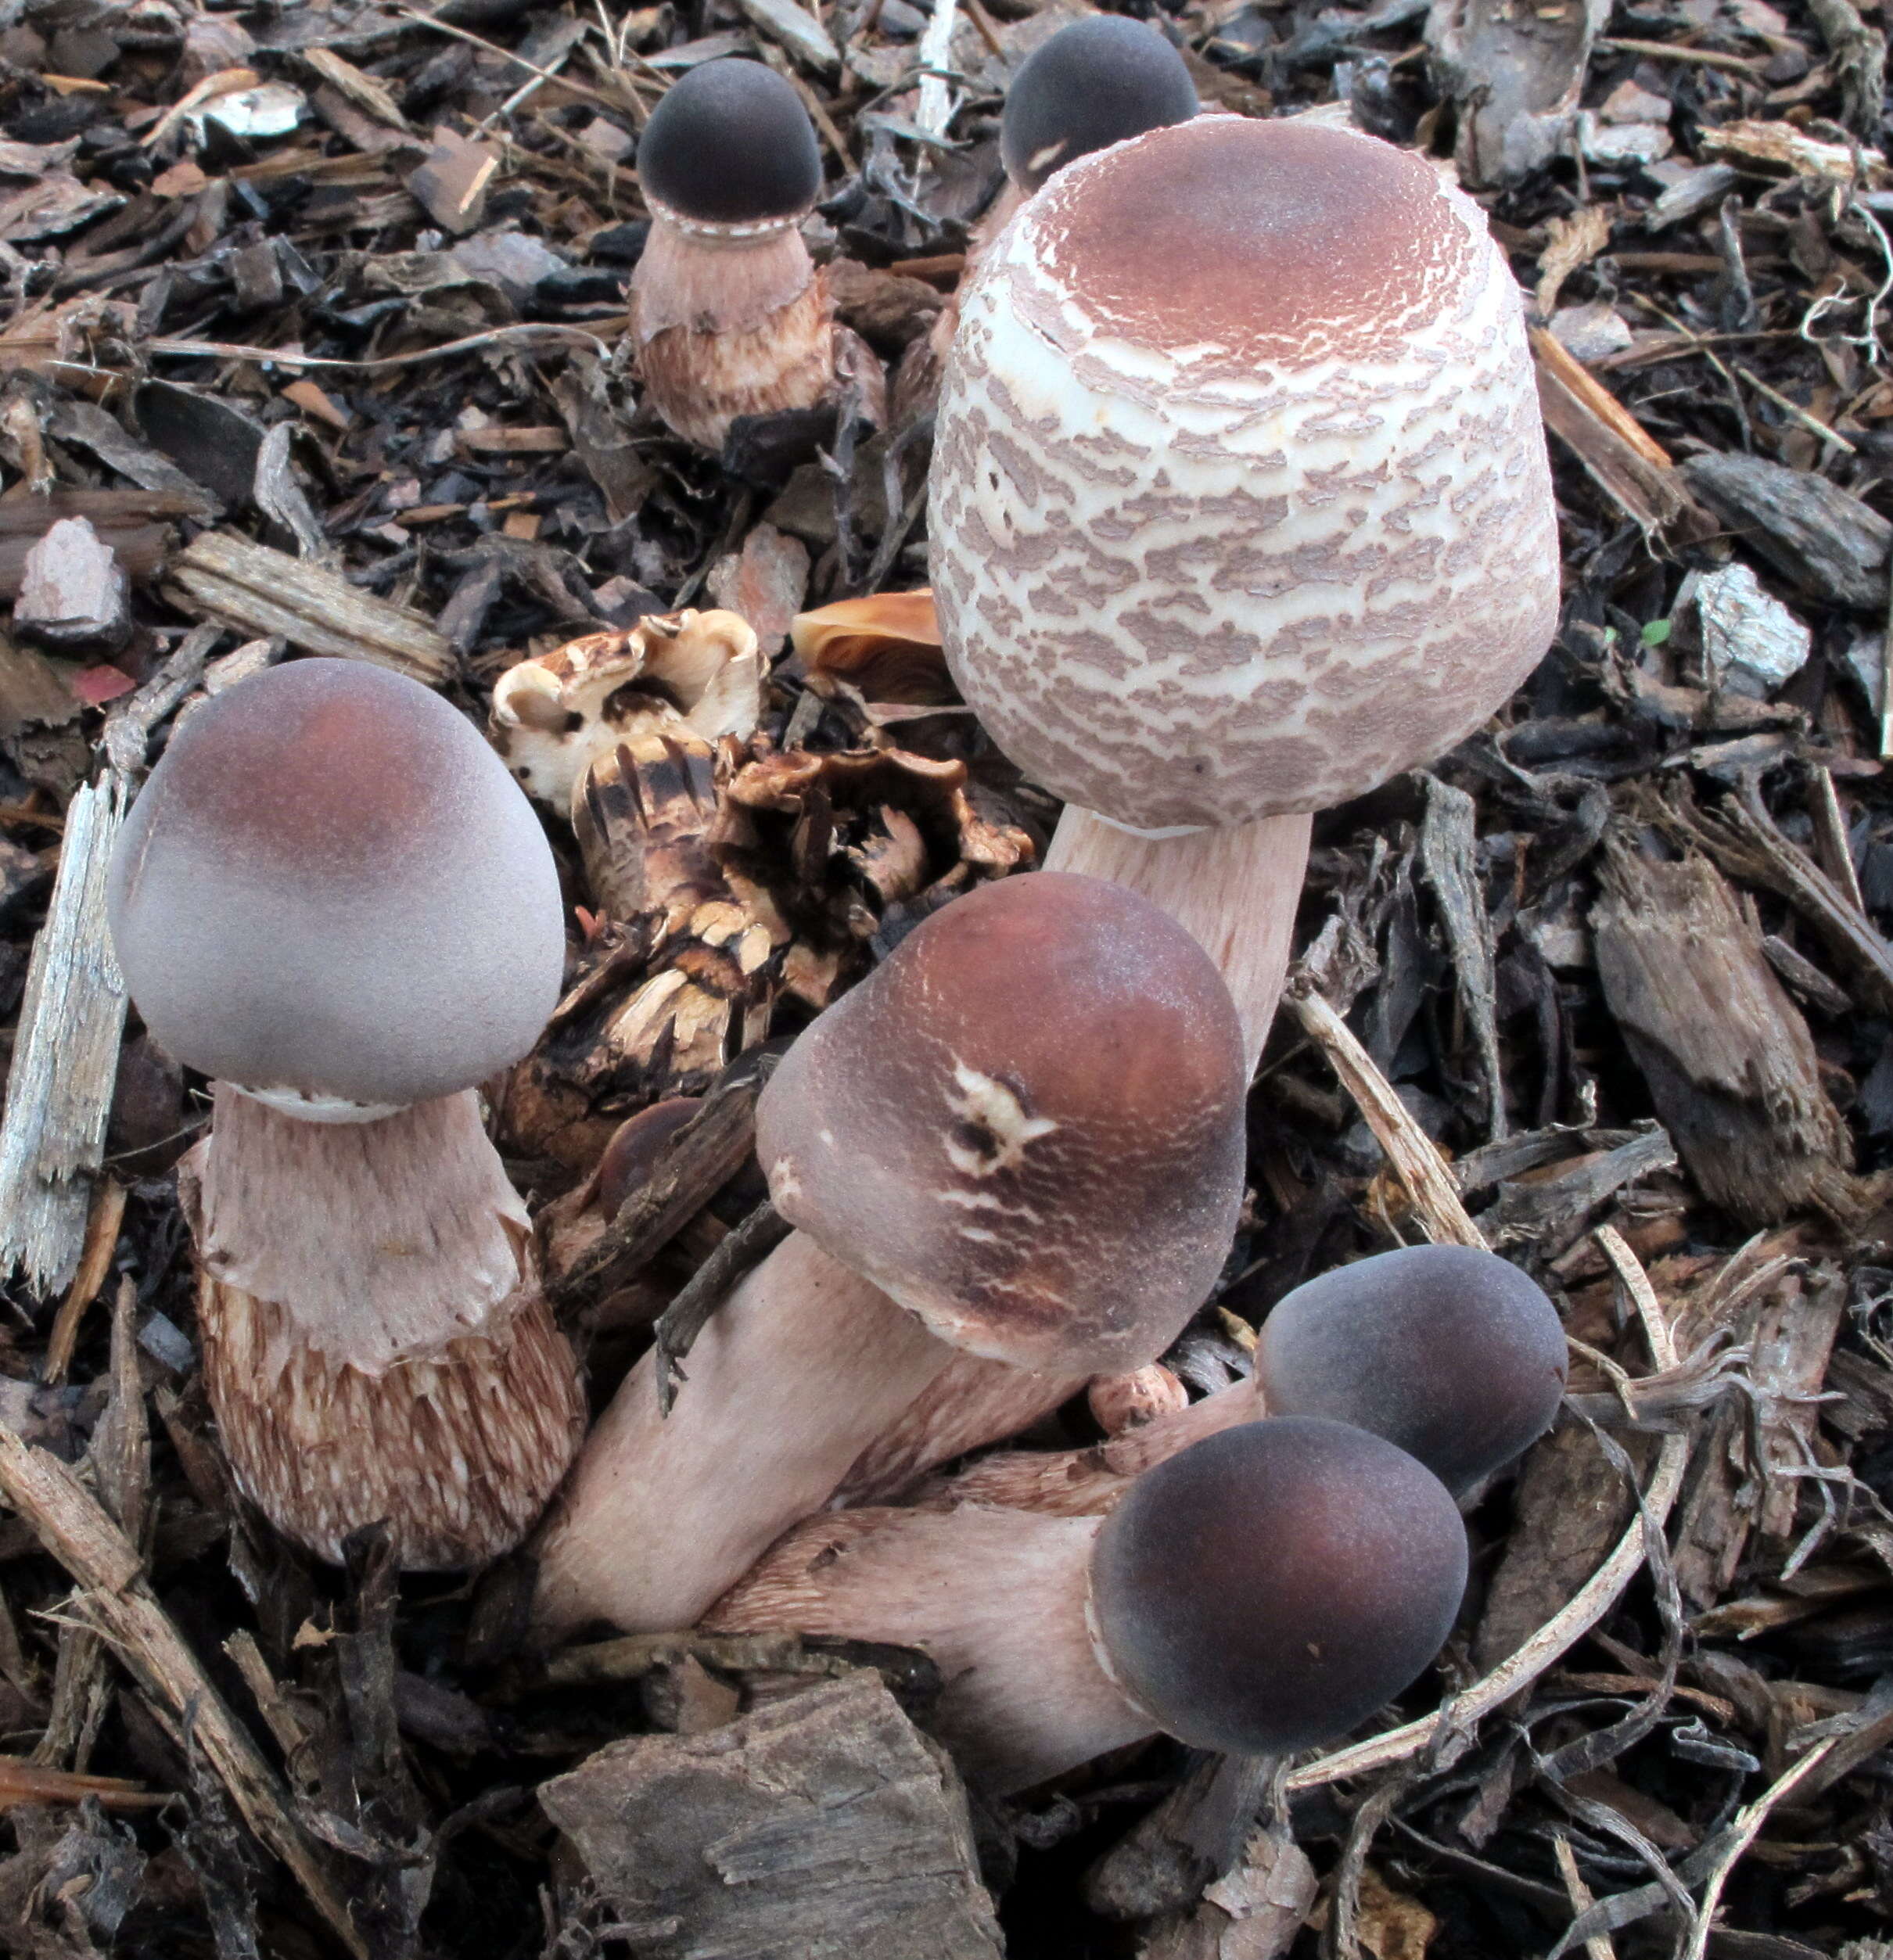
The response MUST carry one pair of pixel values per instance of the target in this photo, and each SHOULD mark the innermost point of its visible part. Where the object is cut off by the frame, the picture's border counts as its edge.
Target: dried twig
(75, 1530)
(710, 1285)
(1419, 1165)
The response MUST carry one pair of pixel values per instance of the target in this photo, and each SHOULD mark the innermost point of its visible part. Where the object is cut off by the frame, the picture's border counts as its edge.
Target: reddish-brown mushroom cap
(1452, 1353)
(1271, 1587)
(1095, 83)
(331, 889)
(1026, 1126)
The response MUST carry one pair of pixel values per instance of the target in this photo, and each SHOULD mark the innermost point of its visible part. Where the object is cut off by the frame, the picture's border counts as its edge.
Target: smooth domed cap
(731, 144)
(637, 1146)
(1271, 1587)
(1027, 1125)
(330, 887)
(1452, 1353)
(1093, 83)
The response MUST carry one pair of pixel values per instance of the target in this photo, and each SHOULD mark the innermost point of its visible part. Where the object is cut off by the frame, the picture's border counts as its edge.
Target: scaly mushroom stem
(996, 1598)
(375, 1343)
(798, 1371)
(1234, 889)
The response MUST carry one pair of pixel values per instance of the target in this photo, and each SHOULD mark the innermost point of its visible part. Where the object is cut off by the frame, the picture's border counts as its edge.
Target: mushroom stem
(971, 1401)
(373, 1327)
(996, 1599)
(1088, 1483)
(1234, 889)
(798, 1373)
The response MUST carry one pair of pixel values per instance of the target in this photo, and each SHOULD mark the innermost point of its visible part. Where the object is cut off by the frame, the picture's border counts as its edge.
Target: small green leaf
(1656, 632)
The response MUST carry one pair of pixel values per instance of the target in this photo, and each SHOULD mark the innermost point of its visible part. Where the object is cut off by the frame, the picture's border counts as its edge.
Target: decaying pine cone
(826, 844)
(724, 873)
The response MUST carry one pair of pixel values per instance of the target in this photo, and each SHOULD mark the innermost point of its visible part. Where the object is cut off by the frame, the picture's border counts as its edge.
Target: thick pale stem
(996, 1598)
(1234, 889)
(801, 1369)
(971, 1401)
(376, 1344)
(1078, 1483)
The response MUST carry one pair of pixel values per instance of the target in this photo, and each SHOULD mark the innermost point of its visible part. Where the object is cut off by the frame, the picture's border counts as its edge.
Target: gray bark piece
(58, 1090)
(73, 594)
(797, 29)
(1448, 854)
(1517, 74)
(269, 594)
(824, 1825)
(1819, 537)
(1730, 1064)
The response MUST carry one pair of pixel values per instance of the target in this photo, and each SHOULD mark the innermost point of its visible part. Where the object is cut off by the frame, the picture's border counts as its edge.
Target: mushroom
(1096, 81)
(729, 315)
(1239, 505)
(1025, 1129)
(330, 898)
(1262, 1592)
(1452, 1353)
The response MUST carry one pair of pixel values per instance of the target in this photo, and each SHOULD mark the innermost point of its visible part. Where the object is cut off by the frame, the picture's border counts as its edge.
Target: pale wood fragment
(262, 593)
(59, 1097)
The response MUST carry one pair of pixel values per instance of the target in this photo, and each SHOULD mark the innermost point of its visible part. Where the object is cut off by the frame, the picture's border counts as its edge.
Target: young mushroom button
(1450, 1352)
(1263, 1591)
(331, 898)
(1239, 505)
(1026, 1127)
(729, 315)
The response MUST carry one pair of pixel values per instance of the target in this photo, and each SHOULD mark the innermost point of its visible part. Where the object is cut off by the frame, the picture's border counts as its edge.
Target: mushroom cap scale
(1452, 1353)
(730, 144)
(1025, 1126)
(1271, 1587)
(1095, 82)
(1240, 498)
(330, 890)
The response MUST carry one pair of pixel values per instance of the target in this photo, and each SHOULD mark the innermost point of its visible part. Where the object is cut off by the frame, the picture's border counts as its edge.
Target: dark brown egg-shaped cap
(637, 1148)
(731, 144)
(331, 889)
(1093, 83)
(1027, 1125)
(1280, 242)
(1271, 1587)
(1450, 1352)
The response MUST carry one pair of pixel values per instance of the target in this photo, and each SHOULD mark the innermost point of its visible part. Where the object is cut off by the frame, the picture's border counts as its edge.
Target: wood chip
(451, 185)
(264, 594)
(824, 1824)
(73, 594)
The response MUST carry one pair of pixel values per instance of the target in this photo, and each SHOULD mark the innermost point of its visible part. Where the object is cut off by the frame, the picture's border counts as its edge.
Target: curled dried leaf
(886, 646)
(673, 674)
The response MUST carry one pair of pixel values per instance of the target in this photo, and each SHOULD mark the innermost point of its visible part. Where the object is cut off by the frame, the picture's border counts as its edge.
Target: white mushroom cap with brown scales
(1240, 503)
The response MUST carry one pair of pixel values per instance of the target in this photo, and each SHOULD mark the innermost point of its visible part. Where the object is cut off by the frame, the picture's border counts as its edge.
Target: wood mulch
(313, 314)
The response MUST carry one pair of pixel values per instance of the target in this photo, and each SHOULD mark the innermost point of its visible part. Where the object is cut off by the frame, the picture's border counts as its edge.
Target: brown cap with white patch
(1026, 1126)
(1240, 500)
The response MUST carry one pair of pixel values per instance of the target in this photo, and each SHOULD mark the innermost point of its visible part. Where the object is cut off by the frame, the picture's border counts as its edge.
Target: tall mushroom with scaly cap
(1240, 505)
(330, 898)
(1024, 1129)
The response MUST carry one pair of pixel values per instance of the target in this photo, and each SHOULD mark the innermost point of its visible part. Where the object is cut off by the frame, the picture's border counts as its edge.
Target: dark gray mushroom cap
(331, 889)
(1272, 1586)
(1095, 83)
(1450, 1352)
(731, 144)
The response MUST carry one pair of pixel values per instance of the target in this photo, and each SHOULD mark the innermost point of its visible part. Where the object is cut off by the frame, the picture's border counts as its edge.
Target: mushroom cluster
(1038, 1092)
(330, 898)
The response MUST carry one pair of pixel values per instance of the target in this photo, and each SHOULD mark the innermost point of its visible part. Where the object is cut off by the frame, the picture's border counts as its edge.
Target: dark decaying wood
(823, 1824)
(1726, 1054)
